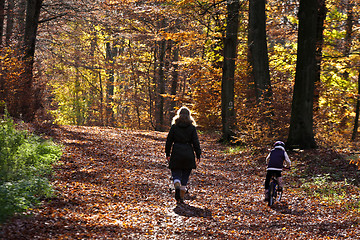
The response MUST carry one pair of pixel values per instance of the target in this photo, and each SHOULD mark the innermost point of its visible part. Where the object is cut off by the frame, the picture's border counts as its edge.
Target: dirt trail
(114, 184)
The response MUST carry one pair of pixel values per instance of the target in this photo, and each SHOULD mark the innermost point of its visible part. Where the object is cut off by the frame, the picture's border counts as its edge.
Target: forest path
(114, 184)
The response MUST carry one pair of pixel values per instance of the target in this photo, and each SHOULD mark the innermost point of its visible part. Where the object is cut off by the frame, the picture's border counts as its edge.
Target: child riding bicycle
(276, 159)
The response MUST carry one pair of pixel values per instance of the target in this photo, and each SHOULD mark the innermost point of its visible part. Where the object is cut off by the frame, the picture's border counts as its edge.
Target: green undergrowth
(235, 149)
(25, 165)
(327, 176)
(342, 193)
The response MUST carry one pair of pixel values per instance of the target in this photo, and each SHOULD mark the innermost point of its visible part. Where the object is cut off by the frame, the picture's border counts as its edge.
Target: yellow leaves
(185, 2)
(126, 194)
(183, 36)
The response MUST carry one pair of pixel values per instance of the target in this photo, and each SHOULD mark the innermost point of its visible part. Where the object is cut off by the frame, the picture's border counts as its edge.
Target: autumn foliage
(10, 80)
(115, 184)
(109, 73)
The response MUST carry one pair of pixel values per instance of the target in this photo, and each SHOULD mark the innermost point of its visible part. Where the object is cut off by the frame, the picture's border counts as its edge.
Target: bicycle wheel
(279, 195)
(272, 193)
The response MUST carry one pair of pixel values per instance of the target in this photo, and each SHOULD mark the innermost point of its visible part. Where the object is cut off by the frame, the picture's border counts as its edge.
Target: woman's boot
(182, 193)
(177, 186)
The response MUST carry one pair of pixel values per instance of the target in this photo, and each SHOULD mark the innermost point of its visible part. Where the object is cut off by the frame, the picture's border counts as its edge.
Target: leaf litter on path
(115, 184)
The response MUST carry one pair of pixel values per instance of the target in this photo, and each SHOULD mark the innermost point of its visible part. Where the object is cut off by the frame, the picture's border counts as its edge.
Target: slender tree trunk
(347, 49)
(21, 23)
(319, 46)
(301, 124)
(356, 122)
(9, 22)
(175, 79)
(349, 27)
(227, 85)
(93, 91)
(79, 120)
(135, 81)
(2, 17)
(77, 106)
(26, 95)
(208, 28)
(101, 100)
(2, 83)
(258, 51)
(11, 104)
(110, 55)
(153, 90)
(160, 81)
(161, 88)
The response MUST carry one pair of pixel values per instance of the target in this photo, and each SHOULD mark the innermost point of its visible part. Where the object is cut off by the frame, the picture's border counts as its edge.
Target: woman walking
(181, 143)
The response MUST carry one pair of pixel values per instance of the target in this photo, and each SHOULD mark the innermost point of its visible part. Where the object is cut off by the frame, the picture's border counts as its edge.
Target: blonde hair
(183, 115)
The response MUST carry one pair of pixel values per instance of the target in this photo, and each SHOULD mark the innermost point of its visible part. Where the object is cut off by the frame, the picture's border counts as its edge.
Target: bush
(25, 165)
(341, 193)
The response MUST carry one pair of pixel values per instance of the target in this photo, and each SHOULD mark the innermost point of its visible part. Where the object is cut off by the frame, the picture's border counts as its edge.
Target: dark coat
(182, 141)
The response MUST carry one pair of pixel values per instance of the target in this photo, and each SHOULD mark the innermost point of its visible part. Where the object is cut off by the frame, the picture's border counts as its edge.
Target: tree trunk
(160, 88)
(2, 16)
(101, 100)
(79, 119)
(93, 91)
(77, 106)
(175, 78)
(356, 122)
(135, 82)
(153, 90)
(347, 50)
(349, 27)
(21, 23)
(227, 85)
(301, 124)
(110, 54)
(9, 21)
(258, 51)
(2, 84)
(319, 46)
(26, 96)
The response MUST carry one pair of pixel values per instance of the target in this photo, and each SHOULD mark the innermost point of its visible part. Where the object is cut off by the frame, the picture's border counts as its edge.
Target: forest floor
(115, 184)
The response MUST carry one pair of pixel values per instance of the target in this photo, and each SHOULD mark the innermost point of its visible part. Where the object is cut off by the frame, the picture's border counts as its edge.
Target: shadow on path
(186, 210)
(283, 208)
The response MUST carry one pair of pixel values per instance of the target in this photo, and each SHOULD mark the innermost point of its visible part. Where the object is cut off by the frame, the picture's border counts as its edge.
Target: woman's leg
(184, 181)
(185, 175)
(177, 176)
(181, 179)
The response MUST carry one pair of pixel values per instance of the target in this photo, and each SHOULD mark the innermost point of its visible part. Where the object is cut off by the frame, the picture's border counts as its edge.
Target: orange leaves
(12, 80)
(355, 161)
(114, 184)
(183, 36)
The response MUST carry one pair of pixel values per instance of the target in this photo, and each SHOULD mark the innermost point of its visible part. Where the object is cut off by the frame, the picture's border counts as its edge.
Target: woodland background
(131, 64)
(103, 79)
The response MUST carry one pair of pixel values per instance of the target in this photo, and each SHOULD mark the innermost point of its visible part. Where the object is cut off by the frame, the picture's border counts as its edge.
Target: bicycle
(275, 193)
